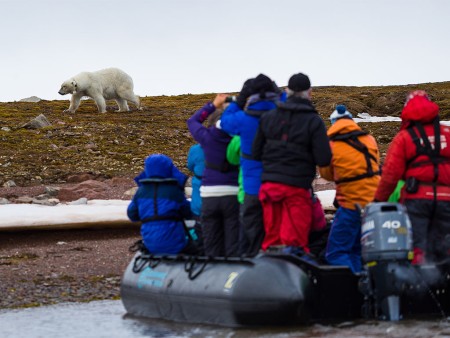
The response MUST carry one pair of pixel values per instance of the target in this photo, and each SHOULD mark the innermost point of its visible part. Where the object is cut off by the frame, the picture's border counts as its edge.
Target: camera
(230, 99)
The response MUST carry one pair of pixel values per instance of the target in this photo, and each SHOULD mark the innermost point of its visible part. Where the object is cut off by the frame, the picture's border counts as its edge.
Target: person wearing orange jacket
(424, 164)
(355, 170)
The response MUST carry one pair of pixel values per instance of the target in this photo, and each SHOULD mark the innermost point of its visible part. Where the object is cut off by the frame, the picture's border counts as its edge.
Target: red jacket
(402, 150)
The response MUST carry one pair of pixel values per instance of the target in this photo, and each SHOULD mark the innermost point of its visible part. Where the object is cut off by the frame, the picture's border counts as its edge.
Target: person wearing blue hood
(160, 204)
(257, 96)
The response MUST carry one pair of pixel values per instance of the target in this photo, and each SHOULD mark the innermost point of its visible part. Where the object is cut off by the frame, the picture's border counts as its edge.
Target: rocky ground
(48, 267)
(94, 155)
(51, 266)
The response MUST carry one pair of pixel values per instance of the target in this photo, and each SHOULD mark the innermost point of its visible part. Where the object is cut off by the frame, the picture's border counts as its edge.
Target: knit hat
(299, 82)
(340, 112)
(261, 84)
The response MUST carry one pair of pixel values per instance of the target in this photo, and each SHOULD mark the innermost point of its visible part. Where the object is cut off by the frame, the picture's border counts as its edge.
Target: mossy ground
(115, 144)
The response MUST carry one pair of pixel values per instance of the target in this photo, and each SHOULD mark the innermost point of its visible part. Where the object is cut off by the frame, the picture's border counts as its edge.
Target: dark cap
(262, 84)
(299, 82)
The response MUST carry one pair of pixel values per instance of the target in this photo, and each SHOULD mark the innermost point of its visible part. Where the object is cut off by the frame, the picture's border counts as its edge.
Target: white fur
(105, 84)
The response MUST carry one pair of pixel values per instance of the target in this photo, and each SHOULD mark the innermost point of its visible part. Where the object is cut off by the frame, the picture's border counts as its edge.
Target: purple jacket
(214, 143)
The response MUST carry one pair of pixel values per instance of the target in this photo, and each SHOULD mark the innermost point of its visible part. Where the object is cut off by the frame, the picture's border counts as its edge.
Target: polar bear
(102, 85)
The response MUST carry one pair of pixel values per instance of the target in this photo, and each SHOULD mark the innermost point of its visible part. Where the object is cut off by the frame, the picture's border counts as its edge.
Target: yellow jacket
(350, 164)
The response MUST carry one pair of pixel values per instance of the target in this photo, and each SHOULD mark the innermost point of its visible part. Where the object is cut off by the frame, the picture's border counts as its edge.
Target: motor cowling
(386, 233)
(386, 244)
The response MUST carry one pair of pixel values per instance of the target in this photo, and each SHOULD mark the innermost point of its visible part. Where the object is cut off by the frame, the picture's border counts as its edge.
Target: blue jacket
(214, 142)
(236, 121)
(196, 164)
(160, 195)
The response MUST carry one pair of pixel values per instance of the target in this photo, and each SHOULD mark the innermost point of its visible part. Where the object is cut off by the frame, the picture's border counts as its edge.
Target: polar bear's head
(68, 87)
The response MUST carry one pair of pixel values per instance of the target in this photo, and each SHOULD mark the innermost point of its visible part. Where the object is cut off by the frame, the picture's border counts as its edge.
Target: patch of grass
(17, 258)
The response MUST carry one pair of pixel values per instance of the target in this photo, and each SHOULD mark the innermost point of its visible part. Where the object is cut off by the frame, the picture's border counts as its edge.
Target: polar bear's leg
(74, 103)
(123, 106)
(101, 103)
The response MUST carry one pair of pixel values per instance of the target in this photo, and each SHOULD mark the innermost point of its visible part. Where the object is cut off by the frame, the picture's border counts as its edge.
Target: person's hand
(219, 100)
(245, 93)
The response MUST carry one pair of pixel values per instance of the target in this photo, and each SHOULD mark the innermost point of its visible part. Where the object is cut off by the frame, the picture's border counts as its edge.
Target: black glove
(244, 94)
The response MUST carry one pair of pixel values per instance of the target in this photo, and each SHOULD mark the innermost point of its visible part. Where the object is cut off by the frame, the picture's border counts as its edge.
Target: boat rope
(138, 264)
(190, 267)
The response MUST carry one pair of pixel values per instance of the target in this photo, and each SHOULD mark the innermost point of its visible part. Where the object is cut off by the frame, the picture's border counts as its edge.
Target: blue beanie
(340, 112)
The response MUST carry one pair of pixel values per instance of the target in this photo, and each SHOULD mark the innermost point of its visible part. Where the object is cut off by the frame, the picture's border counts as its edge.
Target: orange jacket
(348, 162)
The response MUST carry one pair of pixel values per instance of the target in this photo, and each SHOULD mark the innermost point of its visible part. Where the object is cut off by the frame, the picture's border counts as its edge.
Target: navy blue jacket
(160, 205)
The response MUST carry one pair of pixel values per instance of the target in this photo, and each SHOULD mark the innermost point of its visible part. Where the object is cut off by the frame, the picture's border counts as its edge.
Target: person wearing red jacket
(424, 164)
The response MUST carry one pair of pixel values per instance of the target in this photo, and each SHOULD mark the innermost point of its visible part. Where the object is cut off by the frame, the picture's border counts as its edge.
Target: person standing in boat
(160, 204)
(291, 141)
(234, 157)
(424, 164)
(219, 189)
(196, 164)
(241, 117)
(355, 170)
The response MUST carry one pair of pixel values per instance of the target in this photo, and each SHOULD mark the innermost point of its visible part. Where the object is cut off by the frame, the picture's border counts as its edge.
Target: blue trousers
(344, 241)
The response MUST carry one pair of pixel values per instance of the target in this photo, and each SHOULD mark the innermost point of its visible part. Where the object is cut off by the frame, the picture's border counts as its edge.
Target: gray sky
(174, 47)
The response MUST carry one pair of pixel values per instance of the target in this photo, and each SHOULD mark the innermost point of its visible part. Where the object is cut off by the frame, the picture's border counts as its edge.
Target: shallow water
(108, 319)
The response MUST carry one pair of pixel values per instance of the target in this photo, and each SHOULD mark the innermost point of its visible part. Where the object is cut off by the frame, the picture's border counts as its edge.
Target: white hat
(340, 112)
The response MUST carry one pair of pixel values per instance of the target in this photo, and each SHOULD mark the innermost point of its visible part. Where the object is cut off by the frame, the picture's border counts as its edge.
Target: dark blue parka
(160, 205)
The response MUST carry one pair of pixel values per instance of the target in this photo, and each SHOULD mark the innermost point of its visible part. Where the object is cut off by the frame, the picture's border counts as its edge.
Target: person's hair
(303, 94)
(213, 118)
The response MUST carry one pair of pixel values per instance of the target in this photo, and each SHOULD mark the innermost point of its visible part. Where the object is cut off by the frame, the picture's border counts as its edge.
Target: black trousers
(220, 225)
(253, 223)
(431, 227)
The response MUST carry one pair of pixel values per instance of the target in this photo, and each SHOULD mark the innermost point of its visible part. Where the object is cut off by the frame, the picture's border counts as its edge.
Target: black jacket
(291, 141)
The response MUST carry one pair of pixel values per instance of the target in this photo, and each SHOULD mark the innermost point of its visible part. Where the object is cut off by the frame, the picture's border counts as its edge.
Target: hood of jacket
(419, 109)
(342, 126)
(161, 166)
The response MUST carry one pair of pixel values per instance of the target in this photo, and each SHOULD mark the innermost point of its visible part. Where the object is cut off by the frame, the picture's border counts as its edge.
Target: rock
(119, 181)
(130, 192)
(10, 184)
(46, 202)
(89, 189)
(52, 191)
(78, 178)
(37, 123)
(24, 200)
(80, 201)
(4, 201)
(31, 99)
(6, 129)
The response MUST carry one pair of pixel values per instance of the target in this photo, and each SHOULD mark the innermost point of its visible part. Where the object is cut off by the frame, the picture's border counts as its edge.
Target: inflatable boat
(281, 289)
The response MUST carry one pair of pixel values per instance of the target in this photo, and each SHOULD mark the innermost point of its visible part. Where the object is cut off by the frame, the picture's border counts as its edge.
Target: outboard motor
(386, 241)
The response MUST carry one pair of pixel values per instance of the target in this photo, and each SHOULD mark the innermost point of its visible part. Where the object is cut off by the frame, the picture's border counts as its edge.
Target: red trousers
(287, 213)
